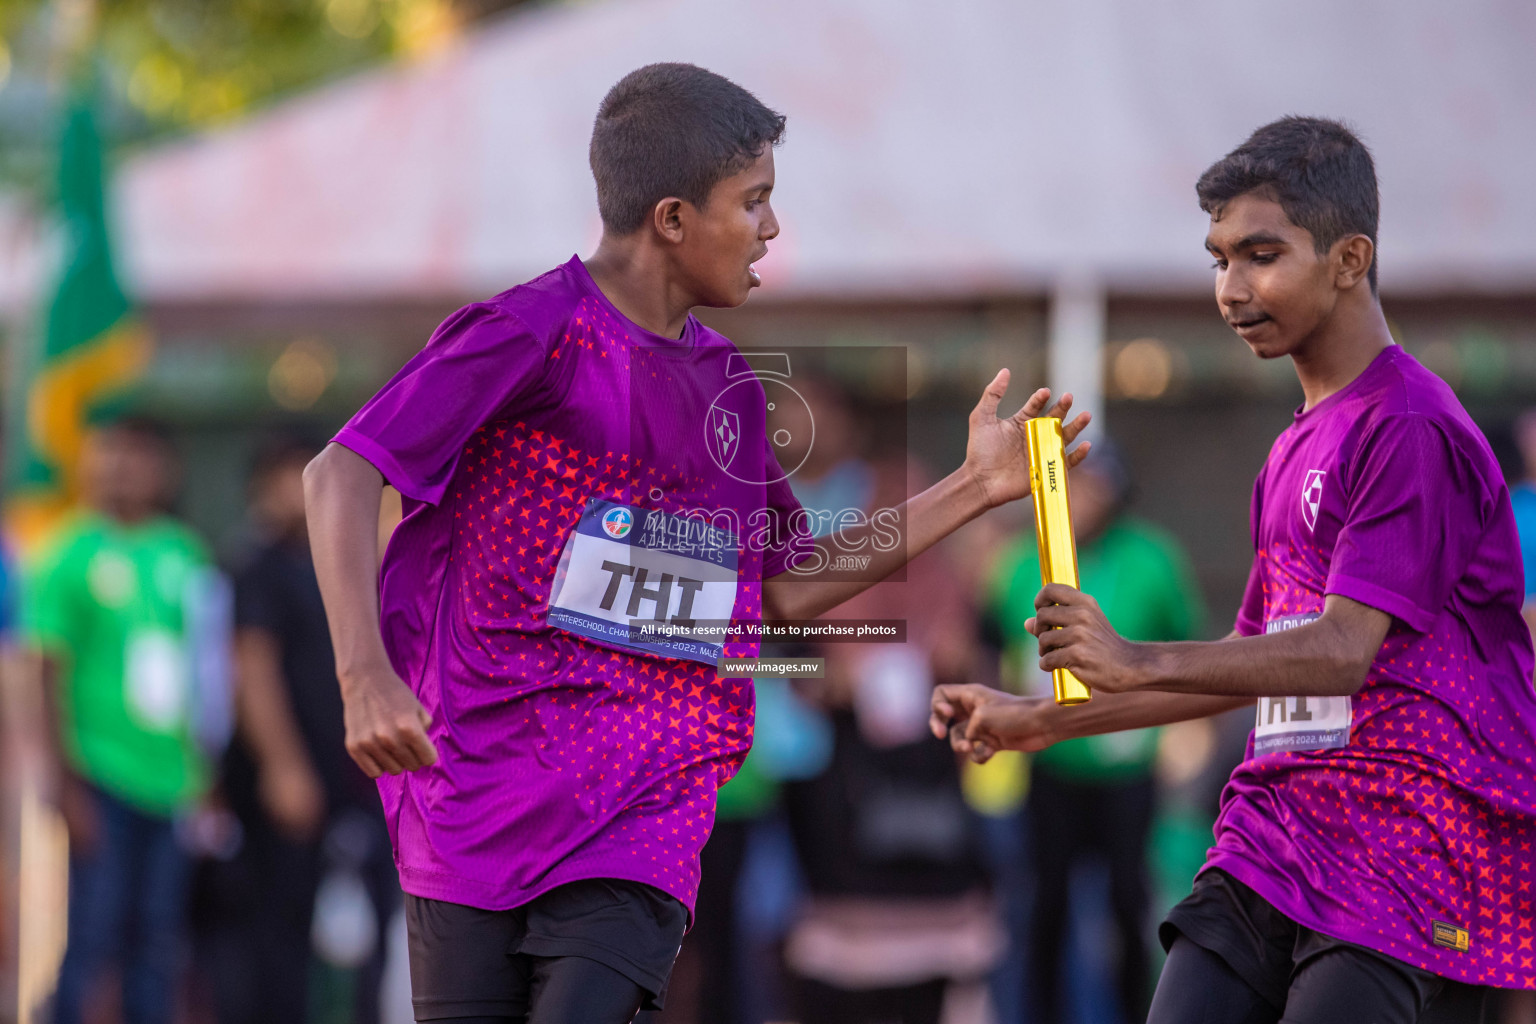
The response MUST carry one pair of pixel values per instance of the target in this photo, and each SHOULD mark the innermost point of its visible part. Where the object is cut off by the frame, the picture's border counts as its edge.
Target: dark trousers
(820, 1003)
(1344, 985)
(568, 990)
(261, 931)
(254, 925)
(1234, 958)
(127, 895)
(1068, 822)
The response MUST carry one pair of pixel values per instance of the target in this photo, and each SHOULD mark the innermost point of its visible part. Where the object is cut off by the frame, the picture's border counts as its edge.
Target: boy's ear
(667, 219)
(1352, 255)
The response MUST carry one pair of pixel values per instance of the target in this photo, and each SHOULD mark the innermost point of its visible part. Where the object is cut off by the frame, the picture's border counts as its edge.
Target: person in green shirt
(1095, 794)
(119, 604)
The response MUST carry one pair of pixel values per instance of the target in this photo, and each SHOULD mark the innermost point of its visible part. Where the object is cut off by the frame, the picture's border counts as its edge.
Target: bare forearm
(341, 499)
(1304, 662)
(995, 472)
(979, 721)
(1327, 657)
(923, 521)
(1116, 712)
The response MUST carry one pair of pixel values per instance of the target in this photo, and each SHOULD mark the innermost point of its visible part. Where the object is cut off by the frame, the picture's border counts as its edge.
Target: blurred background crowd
(223, 226)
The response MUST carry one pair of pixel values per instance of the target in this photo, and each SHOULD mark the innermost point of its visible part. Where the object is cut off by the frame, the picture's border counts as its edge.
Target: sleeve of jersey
(1250, 614)
(1414, 514)
(476, 364)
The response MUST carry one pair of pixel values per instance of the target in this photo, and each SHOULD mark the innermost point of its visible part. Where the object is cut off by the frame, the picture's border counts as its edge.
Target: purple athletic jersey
(1402, 818)
(561, 465)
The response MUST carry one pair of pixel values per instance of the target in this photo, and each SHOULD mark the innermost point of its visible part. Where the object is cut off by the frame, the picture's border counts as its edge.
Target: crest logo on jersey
(617, 522)
(724, 435)
(1312, 496)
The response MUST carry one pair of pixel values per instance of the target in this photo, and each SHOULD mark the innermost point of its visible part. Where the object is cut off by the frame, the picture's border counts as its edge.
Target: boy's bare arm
(1328, 657)
(995, 472)
(386, 724)
(290, 789)
(979, 721)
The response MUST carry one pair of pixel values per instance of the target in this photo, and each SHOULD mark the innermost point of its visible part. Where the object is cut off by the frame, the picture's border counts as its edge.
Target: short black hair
(1318, 170)
(673, 130)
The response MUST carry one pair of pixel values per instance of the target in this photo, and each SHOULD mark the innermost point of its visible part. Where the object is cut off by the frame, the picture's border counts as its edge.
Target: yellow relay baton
(1053, 529)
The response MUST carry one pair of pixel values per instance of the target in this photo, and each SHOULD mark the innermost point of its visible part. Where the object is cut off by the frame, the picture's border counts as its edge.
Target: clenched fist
(386, 725)
(979, 721)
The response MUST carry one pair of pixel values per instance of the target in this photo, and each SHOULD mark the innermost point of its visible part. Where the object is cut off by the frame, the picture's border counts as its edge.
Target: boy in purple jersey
(577, 456)
(1378, 844)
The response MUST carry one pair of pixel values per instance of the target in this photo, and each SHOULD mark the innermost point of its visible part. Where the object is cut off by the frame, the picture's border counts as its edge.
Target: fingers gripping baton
(1053, 529)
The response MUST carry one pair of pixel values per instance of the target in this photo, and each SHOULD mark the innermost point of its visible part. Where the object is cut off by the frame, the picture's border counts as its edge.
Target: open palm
(997, 450)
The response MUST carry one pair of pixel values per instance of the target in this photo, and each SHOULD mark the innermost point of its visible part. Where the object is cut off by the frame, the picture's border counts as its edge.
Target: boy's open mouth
(753, 274)
(1248, 323)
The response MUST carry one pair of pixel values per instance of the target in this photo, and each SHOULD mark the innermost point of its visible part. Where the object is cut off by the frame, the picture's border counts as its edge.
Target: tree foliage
(173, 66)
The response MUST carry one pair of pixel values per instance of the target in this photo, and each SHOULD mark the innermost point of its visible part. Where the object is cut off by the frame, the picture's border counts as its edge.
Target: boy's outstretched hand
(979, 721)
(997, 450)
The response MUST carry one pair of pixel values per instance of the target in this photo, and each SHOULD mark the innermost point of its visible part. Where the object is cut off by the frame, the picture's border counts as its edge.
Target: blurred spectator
(1523, 496)
(726, 972)
(897, 907)
(10, 832)
(119, 606)
(1095, 795)
(310, 819)
(7, 596)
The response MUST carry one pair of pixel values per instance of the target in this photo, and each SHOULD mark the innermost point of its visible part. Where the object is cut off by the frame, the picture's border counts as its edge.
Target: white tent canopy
(933, 149)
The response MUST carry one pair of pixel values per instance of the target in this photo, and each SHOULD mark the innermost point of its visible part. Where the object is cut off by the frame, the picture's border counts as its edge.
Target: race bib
(1300, 723)
(647, 581)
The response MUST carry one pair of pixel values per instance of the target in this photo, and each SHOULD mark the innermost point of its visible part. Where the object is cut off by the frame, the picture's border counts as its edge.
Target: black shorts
(468, 962)
(1289, 971)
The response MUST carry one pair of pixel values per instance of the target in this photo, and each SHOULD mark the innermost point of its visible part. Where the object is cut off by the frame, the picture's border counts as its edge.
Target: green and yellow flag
(90, 345)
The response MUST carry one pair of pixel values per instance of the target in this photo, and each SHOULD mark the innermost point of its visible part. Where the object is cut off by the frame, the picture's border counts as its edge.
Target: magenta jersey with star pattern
(1402, 818)
(569, 753)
